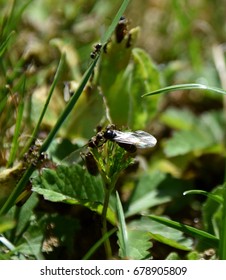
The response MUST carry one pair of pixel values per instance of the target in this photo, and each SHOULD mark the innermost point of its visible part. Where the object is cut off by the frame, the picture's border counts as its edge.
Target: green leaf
(138, 245)
(153, 189)
(73, 185)
(146, 194)
(207, 237)
(144, 77)
(31, 243)
(23, 215)
(114, 77)
(184, 142)
(201, 133)
(193, 255)
(69, 182)
(182, 119)
(173, 256)
(167, 241)
(214, 122)
(163, 234)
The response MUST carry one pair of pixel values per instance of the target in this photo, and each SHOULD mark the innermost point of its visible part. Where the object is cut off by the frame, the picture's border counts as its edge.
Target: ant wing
(139, 138)
(74, 157)
(67, 152)
(146, 140)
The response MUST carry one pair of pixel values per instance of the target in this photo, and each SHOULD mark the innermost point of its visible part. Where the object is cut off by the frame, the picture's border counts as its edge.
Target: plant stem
(222, 246)
(107, 244)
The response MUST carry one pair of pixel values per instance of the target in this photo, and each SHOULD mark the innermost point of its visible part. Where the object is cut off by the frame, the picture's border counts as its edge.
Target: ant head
(98, 46)
(97, 141)
(109, 134)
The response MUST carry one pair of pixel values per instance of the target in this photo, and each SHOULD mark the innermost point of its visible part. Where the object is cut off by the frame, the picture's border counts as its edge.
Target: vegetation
(70, 70)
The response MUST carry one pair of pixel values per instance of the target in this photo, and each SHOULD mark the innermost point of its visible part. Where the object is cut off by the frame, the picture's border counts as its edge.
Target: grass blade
(5, 43)
(115, 21)
(185, 87)
(15, 142)
(7, 243)
(123, 239)
(217, 198)
(209, 238)
(24, 179)
(21, 184)
(101, 241)
(14, 16)
(55, 80)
